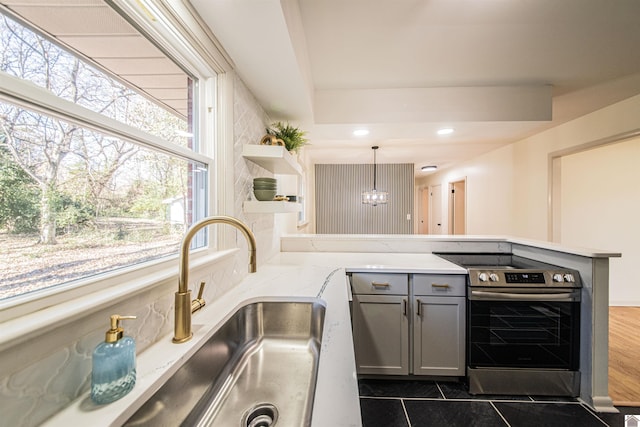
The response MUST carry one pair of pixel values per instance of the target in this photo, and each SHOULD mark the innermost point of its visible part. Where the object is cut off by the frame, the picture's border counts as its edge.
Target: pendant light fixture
(374, 197)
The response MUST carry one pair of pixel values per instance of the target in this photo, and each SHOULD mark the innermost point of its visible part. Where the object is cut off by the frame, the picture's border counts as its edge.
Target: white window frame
(176, 30)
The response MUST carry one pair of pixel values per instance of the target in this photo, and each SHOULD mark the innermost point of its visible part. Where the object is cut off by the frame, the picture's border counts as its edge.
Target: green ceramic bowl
(264, 195)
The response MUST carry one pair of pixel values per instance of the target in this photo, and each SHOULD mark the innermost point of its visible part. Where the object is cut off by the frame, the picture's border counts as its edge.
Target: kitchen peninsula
(592, 265)
(314, 266)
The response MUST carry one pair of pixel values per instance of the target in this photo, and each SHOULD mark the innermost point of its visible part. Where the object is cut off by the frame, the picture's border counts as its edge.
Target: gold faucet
(184, 307)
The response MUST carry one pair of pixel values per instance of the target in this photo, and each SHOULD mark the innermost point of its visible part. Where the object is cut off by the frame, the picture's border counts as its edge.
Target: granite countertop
(289, 275)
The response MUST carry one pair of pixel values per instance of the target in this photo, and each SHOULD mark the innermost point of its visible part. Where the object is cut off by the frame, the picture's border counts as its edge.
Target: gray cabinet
(409, 324)
(439, 324)
(381, 323)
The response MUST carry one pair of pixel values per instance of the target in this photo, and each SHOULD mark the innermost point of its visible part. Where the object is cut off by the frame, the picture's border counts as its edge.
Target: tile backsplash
(59, 366)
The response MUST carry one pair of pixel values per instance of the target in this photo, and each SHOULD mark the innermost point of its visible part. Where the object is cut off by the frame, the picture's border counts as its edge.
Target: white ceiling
(494, 70)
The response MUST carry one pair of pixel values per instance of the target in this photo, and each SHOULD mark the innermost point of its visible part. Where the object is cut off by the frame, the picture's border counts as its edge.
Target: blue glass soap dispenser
(113, 372)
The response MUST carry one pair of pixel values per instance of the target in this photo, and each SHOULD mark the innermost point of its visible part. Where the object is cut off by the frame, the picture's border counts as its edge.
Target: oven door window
(508, 334)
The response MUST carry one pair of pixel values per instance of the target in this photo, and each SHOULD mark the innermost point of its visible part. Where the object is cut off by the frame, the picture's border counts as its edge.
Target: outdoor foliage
(19, 197)
(105, 202)
(71, 214)
(59, 177)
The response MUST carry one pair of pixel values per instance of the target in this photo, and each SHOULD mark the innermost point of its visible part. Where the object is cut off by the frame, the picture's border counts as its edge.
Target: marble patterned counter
(289, 275)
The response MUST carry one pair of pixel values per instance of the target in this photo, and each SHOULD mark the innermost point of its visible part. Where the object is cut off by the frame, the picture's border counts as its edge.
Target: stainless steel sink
(259, 369)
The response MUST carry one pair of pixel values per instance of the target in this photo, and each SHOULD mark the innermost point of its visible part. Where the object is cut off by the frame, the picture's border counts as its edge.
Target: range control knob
(494, 277)
(483, 277)
(569, 278)
(558, 277)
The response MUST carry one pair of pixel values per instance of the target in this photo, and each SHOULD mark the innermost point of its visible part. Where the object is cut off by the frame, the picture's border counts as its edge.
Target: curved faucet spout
(183, 280)
(183, 304)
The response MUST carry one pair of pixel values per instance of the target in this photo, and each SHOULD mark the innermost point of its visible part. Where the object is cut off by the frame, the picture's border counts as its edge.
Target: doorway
(594, 204)
(435, 212)
(423, 219)
(457, 207)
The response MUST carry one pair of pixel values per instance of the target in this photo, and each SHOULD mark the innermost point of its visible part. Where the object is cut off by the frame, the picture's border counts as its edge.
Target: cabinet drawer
(379, 284)
(439, 284)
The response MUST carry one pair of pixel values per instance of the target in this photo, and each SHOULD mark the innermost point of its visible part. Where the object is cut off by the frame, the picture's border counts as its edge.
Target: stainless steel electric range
(523, 325)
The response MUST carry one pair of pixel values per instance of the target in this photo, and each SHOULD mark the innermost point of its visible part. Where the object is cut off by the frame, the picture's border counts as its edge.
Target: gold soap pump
(116, 332)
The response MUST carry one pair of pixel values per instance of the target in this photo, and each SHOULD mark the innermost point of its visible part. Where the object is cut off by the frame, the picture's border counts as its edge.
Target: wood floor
(624, 355)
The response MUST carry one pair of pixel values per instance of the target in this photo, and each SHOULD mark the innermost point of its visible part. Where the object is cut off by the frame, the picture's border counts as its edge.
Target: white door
(457, 207)
(423, 225)
(435, 224)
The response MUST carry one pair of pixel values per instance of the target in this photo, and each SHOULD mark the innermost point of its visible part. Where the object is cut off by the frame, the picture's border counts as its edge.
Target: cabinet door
(381, 334)
(439, 336)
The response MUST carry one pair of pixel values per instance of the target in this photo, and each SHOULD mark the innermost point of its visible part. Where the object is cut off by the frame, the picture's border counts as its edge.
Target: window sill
(23, 317)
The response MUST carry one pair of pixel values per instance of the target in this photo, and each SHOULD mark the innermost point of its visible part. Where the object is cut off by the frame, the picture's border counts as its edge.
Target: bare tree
(102, 157)
(47, 148)
(40, 144)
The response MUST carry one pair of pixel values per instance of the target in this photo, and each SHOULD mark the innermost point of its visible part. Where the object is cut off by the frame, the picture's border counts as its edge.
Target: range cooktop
(504, 269)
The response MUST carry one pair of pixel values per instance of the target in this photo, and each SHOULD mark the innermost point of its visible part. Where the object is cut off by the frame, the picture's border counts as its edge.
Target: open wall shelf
(274, 158)
(254, 206)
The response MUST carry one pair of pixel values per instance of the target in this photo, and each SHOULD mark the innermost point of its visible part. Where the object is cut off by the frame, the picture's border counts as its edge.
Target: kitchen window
(100, 163)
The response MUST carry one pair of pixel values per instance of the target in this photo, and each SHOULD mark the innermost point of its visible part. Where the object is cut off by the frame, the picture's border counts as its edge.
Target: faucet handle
(201, 290)
(199, 302)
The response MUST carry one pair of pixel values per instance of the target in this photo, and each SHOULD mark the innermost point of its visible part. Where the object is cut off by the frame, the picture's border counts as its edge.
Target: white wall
(508, 189)
(600, 208)
(309, 182)
(249, 122)
(490, 184)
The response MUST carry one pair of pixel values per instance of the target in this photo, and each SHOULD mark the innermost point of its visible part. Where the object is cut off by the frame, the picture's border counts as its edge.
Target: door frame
(435, 201)
(452, 210)
(424, 210)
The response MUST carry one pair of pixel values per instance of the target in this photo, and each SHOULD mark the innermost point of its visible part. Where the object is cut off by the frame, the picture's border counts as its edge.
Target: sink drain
(262, 415)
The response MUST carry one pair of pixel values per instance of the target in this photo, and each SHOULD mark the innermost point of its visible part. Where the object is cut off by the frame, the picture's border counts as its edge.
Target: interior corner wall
(338, 205)
(307, 224)
(249, 121)
(489, 192)
(599, 193)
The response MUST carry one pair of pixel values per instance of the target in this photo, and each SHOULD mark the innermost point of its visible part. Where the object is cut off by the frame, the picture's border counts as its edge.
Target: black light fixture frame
(374, 197)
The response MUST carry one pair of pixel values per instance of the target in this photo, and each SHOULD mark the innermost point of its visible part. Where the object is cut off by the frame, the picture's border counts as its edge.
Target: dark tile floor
(400, 403)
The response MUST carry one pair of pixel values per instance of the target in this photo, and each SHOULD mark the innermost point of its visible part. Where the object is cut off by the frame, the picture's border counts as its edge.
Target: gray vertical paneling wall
(339, 208)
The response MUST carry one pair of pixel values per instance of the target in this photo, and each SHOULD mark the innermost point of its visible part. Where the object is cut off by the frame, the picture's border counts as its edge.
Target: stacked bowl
(265, 188)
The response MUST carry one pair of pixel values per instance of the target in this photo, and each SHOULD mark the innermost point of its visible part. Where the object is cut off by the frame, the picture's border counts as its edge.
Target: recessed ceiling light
(428, 168)
(445, 131)
(361, 132)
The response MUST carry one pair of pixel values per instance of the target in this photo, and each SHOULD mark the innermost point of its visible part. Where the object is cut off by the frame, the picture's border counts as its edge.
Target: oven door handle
(487, 295)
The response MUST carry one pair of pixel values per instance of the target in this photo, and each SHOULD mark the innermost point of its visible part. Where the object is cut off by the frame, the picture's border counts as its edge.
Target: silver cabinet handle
(380, 284)
(419, 309)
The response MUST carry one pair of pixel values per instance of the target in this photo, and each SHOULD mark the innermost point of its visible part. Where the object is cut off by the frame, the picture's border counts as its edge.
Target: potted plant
(293, 137)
